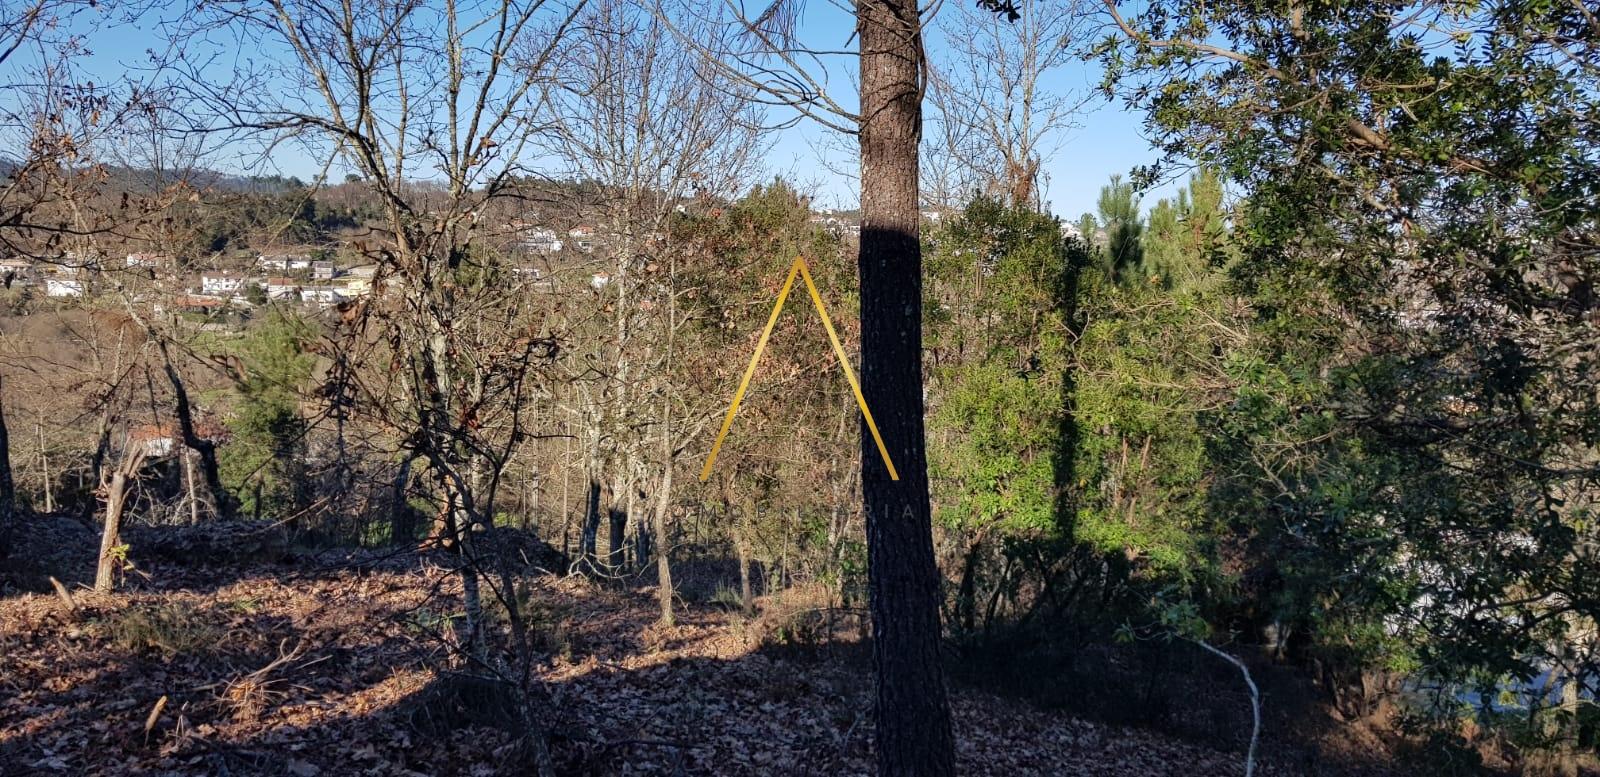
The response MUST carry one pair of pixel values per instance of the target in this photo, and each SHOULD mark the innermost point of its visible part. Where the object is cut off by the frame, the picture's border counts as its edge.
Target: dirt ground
(322, 664)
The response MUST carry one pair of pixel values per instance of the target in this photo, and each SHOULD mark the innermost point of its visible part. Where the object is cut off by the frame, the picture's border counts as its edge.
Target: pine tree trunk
(913, 715)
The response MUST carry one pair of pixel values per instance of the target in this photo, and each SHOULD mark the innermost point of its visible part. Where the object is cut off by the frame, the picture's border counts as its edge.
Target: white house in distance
(147, 260)
(582, 237)
(542, 240)
(322, 296)
(223, 283)
(280, 288)
(358, 280)
(284, 262)
(63, 287)
(322, 270)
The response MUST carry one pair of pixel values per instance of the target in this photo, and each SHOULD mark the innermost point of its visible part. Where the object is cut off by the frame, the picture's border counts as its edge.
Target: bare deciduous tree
(402, 92)
(653, 128)
(998, 96)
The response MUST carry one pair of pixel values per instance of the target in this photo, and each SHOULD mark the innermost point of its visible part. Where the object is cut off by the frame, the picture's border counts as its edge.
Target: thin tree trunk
(530, 512)
(188, 479)
(471, 596)
(44, 470)
(402, 522)
(97, 461)
(630, 520)
(659, 529)
(742, 547)
(640, 516)
(1571, 735)
(191, 438)
(912, 712)
(116, 493)
(8, 494)
(566, 505)
(460, 528)
(618, 515)
(966, 599)
(588, 544)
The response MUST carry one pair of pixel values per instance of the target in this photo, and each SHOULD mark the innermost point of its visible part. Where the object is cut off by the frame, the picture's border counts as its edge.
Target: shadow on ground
(304, 666)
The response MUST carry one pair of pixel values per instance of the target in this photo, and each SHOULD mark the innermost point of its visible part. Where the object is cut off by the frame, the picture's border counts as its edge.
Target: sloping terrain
(320, 665)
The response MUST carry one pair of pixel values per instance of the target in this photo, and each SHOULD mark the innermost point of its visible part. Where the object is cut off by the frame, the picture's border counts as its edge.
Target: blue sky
(1106, 141)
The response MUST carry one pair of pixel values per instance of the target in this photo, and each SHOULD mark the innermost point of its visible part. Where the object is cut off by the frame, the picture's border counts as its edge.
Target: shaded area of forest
(319, 663)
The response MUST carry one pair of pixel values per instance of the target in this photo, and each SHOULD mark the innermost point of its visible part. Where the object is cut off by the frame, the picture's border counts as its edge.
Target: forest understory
(316, 663)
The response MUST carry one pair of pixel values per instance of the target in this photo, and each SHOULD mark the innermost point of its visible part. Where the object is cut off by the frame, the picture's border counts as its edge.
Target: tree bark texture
(912, 713)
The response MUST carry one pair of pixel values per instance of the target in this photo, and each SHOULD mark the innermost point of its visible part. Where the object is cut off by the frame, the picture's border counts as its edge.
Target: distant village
(296, 277)
(319, 277)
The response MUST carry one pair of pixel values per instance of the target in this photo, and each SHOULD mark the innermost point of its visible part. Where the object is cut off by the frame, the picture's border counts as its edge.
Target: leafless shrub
(248, 695)
(171, 627)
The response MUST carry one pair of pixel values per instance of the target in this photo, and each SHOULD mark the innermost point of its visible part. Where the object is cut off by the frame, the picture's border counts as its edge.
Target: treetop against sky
(1105, 139)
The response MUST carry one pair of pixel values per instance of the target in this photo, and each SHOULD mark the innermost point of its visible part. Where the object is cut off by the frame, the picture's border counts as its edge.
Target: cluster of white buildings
(73, 273)
(839, 224)
(545, 240)
(280, 277)
(295, 278)
(313, 282)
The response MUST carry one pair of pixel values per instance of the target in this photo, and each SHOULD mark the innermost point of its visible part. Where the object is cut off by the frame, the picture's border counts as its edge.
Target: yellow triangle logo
(798, 268)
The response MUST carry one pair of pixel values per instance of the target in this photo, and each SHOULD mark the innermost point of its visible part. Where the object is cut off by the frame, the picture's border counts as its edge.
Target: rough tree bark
(913, 715)
(97, 460)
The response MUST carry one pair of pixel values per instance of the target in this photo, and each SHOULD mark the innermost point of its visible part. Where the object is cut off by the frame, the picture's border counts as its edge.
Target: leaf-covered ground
(317, 668)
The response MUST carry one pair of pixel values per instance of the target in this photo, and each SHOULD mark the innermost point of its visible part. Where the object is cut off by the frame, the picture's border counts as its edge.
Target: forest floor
(320, 666)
